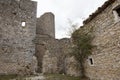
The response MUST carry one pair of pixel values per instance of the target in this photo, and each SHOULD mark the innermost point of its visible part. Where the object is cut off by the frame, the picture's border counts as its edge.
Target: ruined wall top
(46, 25)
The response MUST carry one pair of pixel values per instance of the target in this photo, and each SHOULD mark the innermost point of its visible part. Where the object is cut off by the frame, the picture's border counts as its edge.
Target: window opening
(118, 11)
(23, 23)
(91, 61)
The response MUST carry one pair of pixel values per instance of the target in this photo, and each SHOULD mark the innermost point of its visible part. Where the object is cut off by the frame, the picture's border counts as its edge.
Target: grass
(60, 77)
(10, 77)
(7, 77)
(47, 76)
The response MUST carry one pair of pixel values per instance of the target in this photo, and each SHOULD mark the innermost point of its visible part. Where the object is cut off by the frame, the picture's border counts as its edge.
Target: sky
(66, 11)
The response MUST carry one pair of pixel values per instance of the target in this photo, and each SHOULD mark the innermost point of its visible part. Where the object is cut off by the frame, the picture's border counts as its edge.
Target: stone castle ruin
(52, 54)
(28, 44)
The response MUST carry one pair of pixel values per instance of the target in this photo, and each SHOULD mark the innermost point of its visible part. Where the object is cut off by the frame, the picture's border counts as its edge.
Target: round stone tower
(45, 31)
(46, 25)
(17, 33)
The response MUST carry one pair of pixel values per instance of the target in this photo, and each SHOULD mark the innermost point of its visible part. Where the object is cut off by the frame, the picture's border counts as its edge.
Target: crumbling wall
(57, 59)
(16, 40)
(68, 63)
(53, 59)
(50, 52)
(45, 30)
(46, 51)
(72, 66)
(49, 63)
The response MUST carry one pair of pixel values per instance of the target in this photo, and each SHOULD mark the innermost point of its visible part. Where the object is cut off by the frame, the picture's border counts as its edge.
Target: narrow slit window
(91, 61)
(23, 23)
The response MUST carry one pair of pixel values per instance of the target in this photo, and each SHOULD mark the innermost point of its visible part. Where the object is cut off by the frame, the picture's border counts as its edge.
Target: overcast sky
(65, 10)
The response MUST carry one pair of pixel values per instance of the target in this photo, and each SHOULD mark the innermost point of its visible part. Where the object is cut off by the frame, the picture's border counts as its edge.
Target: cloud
(75, 10)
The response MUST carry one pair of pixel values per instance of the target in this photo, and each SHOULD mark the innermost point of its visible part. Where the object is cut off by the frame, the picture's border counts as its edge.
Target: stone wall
(22, 35)
(45, 31)
(49, 63)
(56, 57)
(47, 49)
(106, 54)
(16, 40)
(72, 66)
(50, 52)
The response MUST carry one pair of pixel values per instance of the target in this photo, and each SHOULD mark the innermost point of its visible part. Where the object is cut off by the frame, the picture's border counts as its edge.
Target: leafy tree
(73, 27)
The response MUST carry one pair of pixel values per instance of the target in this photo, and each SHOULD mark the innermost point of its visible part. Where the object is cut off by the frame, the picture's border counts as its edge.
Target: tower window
(23, 23)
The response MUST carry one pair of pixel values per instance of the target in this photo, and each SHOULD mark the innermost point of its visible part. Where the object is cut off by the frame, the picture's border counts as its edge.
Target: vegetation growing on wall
(82, 46)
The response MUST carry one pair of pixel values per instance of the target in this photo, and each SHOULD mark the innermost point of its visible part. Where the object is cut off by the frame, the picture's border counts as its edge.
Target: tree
(73, 27)
(82, 46)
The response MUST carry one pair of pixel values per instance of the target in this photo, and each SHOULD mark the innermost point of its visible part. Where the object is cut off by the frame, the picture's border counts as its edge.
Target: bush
(82, 46)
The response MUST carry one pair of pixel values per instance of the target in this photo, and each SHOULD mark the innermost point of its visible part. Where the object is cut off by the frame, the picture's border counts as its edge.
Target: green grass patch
(60, 77)
(7, 77)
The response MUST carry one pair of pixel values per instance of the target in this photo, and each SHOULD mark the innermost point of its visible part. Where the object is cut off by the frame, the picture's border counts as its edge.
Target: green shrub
(82, 46)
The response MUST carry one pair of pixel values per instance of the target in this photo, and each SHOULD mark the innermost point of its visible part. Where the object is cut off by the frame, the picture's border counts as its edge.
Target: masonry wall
(68, 63)
(50, 58)
(16, 41)
(46, 25)
(106, 54)
(57, 59)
